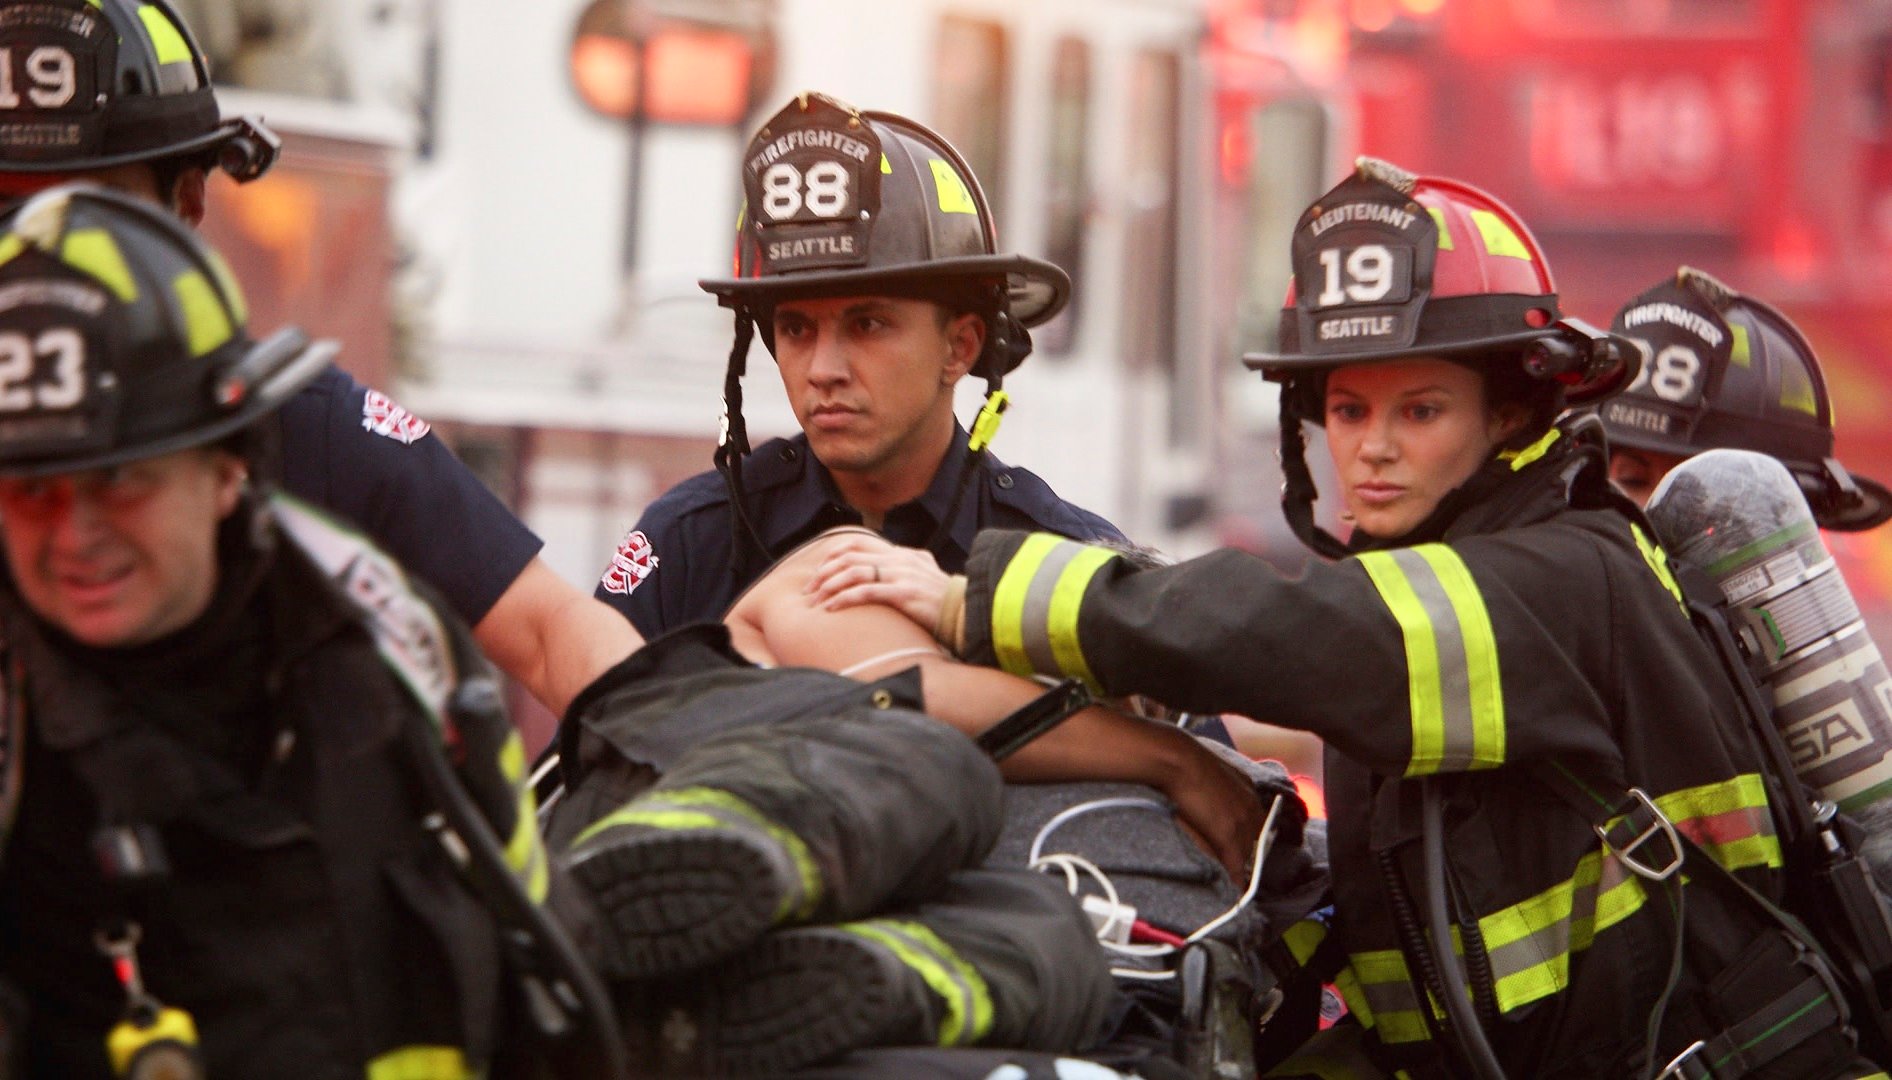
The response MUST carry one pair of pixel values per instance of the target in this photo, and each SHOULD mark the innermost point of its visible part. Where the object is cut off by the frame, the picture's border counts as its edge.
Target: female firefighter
(1521, 723)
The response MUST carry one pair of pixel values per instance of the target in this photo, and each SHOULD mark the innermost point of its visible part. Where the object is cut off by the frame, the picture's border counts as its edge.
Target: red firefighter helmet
(1390, 265)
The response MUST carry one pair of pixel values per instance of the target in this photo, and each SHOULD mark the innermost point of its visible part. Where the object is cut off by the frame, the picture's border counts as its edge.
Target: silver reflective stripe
(1037, 618)
(1455, 692)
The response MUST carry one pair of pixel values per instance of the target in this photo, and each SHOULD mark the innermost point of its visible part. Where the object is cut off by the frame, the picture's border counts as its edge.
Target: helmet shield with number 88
(1728, 371)
(840, 202)
(122, 337)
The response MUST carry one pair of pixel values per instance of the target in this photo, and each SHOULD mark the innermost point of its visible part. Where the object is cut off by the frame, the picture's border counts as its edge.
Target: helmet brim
(295, 373)
(208, 141)
(1286, 365)
(1631, 440)
(1873, 510)
(1037, 289)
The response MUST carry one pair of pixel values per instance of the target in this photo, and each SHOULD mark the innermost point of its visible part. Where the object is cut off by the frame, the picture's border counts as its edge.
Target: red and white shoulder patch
(382, 416)
(631, 563)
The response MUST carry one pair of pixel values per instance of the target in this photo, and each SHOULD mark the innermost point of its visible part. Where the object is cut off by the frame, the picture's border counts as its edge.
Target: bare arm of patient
(775, 623)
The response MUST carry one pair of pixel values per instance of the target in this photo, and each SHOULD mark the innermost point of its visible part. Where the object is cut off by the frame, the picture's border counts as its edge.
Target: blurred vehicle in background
(521, 198)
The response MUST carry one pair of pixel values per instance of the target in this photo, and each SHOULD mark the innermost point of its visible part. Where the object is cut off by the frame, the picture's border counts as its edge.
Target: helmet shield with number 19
(91, 84)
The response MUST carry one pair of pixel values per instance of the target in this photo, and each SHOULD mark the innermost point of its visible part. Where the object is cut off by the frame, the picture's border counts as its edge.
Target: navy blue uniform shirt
(676, 566)
(354, 452)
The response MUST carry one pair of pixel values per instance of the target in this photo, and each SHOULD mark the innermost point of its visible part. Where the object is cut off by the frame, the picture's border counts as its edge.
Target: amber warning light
(626, 64)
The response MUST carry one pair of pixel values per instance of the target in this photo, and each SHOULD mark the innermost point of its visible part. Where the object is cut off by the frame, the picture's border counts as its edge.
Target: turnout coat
(1538, 632)
(308, 917)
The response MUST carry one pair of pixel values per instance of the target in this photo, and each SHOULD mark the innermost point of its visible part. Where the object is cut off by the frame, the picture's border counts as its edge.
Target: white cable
(1071, 863)
(1139, 973)
(1262, 843)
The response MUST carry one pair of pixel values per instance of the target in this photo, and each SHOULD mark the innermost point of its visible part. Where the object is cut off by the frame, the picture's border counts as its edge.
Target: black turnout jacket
(1530, 636)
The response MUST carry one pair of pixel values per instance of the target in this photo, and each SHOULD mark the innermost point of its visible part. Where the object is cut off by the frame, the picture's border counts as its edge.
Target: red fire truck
(1751, 138)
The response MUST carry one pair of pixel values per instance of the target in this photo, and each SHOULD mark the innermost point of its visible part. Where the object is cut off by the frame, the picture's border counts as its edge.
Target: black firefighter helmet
(98, 83)
(1728, 371)
(1390, 265)
(123, 337)
(843, 202)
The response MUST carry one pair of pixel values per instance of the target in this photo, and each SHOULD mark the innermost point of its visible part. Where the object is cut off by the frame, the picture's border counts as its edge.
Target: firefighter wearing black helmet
(118, 93)
(222, 843)
(868, 259)
(1521, 722)
(1726, 370)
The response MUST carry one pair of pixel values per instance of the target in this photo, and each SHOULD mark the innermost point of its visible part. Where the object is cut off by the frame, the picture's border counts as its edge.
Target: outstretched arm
(552, 637)
(775, 622)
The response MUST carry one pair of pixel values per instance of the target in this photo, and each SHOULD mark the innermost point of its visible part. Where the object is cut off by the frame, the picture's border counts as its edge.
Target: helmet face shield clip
(250, 151)
(1589, 362)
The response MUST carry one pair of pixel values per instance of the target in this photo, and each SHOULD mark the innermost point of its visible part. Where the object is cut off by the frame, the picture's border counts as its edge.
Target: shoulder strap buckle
(1687, 1065)
(1643, 822)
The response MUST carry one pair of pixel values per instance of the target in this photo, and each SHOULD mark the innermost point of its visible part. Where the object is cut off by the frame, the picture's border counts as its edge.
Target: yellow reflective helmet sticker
(954, 197)
(1445, 233)
(166, 41)
(206, 323)
(886, 167)
(94, 252)
(1498, 237)
(239, 308)
(1796, 390)
(1740, 352)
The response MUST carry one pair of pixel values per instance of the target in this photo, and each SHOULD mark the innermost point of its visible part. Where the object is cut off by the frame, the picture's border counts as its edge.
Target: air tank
(1740, 517)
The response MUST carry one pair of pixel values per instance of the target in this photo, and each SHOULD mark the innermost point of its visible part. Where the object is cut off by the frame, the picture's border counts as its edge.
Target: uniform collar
(815, 503)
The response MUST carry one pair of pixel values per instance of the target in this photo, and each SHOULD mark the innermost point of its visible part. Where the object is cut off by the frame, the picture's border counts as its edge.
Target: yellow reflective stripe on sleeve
(1379, 991)
(1036, 606)
(1008, 602)
(954, 198)
(710, 808)
(93, 251)
(206, 323)
(421, 1063)
(1520, 458)
(10, 246)
(968, 1000)
(1498, 236)
(1455, 691)
(1658, 561)
(168, 44)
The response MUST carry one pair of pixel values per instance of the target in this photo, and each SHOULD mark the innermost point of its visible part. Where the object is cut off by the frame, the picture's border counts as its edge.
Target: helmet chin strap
(1298, 491)
(745, 542)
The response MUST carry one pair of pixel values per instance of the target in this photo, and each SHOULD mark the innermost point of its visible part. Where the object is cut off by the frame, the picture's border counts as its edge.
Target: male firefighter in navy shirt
(868, 258)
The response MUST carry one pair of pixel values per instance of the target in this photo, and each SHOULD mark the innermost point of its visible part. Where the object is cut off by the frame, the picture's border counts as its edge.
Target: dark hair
(1507, 383)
